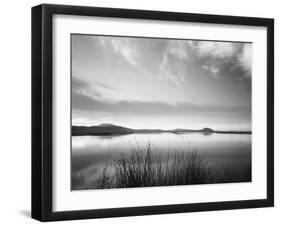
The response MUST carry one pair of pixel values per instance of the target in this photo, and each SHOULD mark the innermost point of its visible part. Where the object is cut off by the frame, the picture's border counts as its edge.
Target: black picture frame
(42, 107)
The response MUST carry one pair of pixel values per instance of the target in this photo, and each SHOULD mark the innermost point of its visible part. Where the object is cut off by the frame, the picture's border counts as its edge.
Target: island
(107, 129)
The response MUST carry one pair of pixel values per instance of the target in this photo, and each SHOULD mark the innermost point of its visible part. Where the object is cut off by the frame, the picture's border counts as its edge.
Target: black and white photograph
(159, 112)
(145, 112)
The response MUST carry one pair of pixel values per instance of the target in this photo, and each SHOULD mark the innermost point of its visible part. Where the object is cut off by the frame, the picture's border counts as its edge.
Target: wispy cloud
(171, 57)
(179, 49)
(216, 56)
(86, 89)
(245, 59)
(214, 69)
(174, 62)
(217, 50)
(86, 103)
(161, 59)
(142, 79)
(127, 49)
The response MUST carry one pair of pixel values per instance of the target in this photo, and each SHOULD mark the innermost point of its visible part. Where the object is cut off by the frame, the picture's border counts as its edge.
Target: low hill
(99, 130)
(105, 129)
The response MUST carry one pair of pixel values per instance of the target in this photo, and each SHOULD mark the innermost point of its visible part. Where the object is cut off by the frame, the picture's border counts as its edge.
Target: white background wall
(15, 117)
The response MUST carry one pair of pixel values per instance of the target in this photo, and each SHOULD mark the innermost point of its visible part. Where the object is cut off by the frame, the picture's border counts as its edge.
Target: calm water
(90, 153)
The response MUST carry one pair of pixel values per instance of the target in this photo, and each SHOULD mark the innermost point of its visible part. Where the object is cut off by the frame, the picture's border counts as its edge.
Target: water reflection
(90, 153)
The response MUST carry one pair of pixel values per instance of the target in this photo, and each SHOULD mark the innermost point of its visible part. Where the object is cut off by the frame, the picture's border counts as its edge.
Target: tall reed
(145, 167)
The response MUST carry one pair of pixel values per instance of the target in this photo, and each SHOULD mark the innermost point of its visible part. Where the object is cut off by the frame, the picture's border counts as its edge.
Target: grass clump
(145, 167)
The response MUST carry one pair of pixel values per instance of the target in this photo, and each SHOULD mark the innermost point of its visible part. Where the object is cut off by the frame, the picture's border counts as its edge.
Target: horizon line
(182, 128)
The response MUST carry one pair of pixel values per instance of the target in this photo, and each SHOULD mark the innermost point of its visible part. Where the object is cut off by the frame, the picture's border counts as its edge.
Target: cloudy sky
(161, 83)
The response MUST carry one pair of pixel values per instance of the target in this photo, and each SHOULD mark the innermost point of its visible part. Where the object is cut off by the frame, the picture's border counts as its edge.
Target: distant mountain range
(106, 129)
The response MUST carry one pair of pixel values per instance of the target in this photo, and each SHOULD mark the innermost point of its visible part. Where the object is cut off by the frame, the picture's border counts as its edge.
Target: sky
(153, 83)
